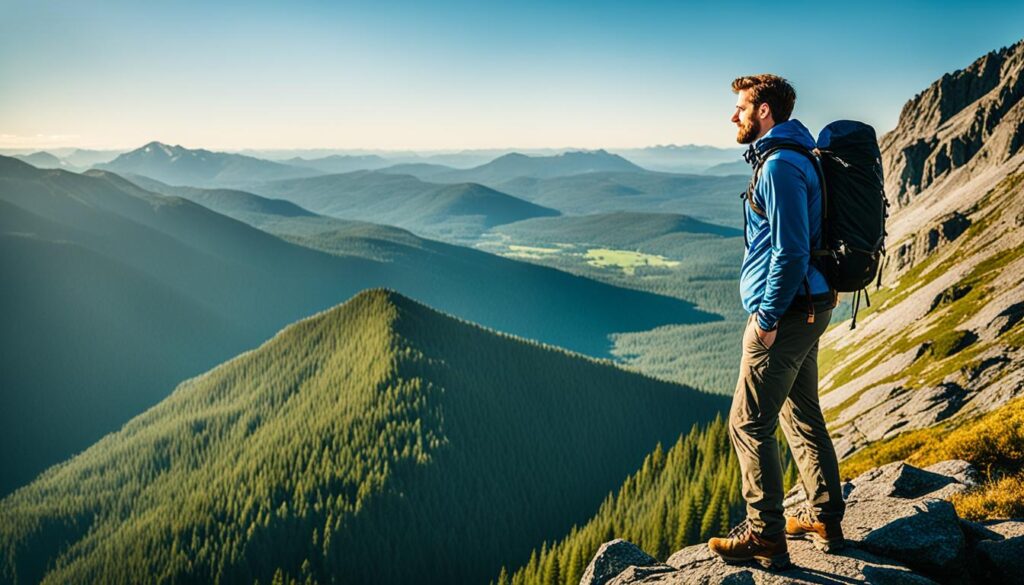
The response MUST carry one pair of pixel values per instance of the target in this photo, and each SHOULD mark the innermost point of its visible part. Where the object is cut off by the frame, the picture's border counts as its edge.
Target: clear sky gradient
(454, 75)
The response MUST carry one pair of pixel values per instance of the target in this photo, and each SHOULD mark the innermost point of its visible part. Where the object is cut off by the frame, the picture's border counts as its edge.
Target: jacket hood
(791, 131)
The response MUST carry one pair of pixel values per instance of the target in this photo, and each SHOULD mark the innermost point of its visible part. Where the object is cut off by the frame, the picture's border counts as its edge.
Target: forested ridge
(378, 441)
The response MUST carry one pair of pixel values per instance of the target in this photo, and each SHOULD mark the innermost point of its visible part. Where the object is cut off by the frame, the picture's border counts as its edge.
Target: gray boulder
(899, 480)
(957, 469)
(615, 557)
(1000, 561)
(925, 535)
(900, 511)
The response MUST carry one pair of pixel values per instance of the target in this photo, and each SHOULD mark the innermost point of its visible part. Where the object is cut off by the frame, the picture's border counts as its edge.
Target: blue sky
(452, 75)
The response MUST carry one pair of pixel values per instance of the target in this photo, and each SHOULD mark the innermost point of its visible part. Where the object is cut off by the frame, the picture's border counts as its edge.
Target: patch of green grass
(1015, 336)
(949, 342)
(627, 260)
(534, 249)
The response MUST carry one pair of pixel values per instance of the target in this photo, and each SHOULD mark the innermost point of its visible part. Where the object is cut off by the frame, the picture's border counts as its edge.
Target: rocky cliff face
(900, 528)
(971, 118)
(953, 142)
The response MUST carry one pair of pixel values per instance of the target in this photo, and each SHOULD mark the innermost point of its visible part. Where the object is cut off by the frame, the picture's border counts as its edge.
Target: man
(790, 304)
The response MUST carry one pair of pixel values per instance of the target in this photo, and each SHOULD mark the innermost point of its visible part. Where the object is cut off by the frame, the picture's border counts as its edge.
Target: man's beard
(748, 132)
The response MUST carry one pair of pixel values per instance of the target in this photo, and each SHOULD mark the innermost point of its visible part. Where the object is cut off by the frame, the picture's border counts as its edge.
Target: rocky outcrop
(973, 113)
(927, 240)
(617, 557)
(900, 528)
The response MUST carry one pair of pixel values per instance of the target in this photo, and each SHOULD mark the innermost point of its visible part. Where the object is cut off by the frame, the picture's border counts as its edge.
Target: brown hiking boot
(827, 536)
(743, 544)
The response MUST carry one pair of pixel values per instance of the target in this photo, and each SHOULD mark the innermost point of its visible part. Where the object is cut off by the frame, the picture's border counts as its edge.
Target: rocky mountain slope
(944, 335)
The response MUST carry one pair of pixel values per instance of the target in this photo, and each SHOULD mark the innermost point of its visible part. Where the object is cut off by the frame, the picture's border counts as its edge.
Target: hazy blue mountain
(380, 425)
(450, 211)
(514, 165)
(461, 159)
(583, 183)
(466, 159)
(420, 170)
(620, 229)
(339, 163)
(703, 197)
(687, 158)
(85, 158)
(45, 160)
(230, 202)
(737, 167)
(177, 165)
(250, 283)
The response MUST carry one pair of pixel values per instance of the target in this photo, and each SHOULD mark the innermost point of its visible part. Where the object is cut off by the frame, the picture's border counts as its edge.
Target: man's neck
(765, 129)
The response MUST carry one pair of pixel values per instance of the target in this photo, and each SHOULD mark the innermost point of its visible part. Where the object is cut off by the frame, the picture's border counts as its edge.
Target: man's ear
(763, 111)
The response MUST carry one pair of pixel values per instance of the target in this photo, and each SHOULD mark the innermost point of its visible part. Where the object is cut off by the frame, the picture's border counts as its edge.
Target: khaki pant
(781, 384)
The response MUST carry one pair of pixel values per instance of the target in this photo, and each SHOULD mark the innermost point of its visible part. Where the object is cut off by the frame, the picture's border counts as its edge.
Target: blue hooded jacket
(778, 254)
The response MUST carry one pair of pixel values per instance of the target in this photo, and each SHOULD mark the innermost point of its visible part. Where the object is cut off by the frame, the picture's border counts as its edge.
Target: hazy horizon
(326, 151)
(458, 76)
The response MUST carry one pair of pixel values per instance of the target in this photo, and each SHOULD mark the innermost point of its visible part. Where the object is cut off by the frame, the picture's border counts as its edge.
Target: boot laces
(740, 529)
(804, 515)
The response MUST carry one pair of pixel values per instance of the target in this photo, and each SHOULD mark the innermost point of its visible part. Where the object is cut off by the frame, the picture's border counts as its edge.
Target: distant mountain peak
(177, 165)
(156, 147)
(516, 164)
(511, 156)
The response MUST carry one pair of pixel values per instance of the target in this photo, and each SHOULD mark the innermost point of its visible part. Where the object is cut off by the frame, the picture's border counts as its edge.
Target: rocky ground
(900, 528)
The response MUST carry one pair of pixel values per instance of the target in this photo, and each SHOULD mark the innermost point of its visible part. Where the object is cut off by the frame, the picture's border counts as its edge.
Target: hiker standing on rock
(790, 304)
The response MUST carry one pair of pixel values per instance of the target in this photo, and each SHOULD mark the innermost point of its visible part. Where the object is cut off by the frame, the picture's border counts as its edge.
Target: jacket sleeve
(785, 197)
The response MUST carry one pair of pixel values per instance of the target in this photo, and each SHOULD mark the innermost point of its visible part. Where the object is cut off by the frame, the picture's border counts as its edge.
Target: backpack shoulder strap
(797, 148)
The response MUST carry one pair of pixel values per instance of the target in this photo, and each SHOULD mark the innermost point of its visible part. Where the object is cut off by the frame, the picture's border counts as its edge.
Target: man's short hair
(770, 89)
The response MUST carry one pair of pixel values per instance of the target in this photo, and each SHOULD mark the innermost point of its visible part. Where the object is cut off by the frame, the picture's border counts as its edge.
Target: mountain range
(178, 165)
(164, 288)
(574, 182)
(459, 211)
(45, 160)
(515, 165)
